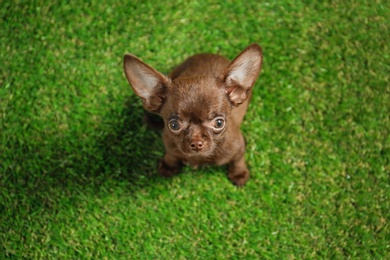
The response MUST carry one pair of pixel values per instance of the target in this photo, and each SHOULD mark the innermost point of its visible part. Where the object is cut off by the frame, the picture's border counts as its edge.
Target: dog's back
(201, 65)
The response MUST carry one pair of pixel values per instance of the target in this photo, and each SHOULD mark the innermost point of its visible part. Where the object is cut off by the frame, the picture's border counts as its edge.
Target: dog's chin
(199, 154)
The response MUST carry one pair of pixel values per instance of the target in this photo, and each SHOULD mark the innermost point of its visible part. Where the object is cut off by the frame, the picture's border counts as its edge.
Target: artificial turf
(78, 166)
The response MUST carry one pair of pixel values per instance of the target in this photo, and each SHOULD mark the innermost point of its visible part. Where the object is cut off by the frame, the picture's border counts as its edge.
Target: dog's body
(202, 102)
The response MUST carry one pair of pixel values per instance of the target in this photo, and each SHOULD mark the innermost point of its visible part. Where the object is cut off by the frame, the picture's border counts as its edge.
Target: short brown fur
(202, 102)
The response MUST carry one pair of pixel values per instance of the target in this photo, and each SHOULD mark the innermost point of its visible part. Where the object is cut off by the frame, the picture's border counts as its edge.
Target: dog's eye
(174, 125)
(219, 123)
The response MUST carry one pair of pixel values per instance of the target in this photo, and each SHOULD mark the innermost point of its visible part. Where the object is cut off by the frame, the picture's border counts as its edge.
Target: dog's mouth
(195, 159)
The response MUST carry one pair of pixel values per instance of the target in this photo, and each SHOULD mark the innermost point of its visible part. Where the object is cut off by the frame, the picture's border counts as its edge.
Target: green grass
(78, 167)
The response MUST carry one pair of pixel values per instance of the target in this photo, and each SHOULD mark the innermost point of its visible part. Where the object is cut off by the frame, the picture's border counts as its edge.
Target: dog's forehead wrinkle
(201, 108)
(197, 98)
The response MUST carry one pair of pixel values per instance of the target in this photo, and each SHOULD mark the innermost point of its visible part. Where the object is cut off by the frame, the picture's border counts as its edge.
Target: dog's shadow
(131, 148)
(124, 153)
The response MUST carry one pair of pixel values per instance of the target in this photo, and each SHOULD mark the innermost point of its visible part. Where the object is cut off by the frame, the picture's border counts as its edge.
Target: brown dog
(202, 102)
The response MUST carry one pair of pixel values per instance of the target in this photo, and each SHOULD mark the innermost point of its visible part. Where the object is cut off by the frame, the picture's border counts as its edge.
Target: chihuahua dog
(202, 103)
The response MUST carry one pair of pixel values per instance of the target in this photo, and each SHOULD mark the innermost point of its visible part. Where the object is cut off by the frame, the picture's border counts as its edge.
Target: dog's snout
(197, 145)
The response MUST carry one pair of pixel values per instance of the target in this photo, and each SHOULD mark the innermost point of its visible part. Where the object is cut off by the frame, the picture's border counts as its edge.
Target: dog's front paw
(238, 176)
(166, 170)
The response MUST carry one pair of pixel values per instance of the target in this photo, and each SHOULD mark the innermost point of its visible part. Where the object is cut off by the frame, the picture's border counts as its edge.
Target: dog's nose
(197, 145)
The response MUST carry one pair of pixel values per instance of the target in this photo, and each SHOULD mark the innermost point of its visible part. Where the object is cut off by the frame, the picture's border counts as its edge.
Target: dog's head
(197, 110)
(196, 114)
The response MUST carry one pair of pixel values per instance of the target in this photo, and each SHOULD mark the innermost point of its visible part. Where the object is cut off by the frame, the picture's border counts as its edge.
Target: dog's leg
(238, 172)
(169, 166)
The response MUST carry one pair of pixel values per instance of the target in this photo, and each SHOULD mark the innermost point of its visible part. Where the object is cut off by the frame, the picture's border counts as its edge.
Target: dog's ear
(242, 73)
(147, 83)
